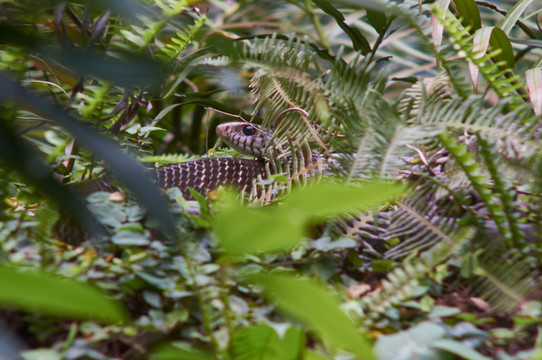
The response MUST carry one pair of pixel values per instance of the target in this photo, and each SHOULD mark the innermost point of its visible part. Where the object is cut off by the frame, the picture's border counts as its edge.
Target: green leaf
(469, 13)
(20, 156)
(263, 343)
(333, 198)
(513, 15)
(312, 304)
(358, 40)
(243, 230)
(40, 354)
(377, 20)
(126, 169)
(34, 291)
(500, 41)
(458, 348)
(176, 351)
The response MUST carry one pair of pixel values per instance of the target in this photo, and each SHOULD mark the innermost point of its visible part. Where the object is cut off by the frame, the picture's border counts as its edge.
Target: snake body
(203, 175)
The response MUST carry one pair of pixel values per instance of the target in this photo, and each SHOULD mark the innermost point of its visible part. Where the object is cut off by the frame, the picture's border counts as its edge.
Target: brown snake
(207, 174)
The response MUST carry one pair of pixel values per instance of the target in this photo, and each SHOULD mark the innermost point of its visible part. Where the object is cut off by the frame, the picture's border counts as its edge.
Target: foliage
(425, 243)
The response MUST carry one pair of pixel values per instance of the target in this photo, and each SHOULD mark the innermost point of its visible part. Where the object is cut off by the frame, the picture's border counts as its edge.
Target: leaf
(513, 15)
(437, 29)
(486, 37)
(262, 342)
(533, 78)
(469, 13)
(500, 41)
(39, 354)
(377, 20)
(414, 343)
(125, 70)
(126, 8)
(176, 351)
(126, 169)
(20, 156)
(458, 348)
(312, 304)
(333, 198)
(34, 291)
(243, 230)
(358, 40)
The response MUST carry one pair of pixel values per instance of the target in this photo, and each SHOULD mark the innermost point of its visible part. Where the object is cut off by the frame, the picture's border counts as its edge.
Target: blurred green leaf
(125, 70)
(262, 342)
(333, 198)
(243, 230)
(125, 8)
(34, 291)
(20, 156)
(377, 20)
(513, 15)
(176, 351)
(312, 304)
(468, 13)
(458, 348)
(126, 169)
(500, 41)
(358, 40)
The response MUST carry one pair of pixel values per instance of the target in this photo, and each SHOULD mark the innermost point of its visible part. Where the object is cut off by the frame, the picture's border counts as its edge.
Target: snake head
(248, 139)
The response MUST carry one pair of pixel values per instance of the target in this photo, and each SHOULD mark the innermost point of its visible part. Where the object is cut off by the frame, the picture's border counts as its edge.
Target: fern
(182, 39)
(144, 32)
(479, 182)
(499, 77)
(402, 281)
(507, 284)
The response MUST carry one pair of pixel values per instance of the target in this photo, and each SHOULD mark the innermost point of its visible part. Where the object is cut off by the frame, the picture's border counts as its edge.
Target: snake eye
(249, 130)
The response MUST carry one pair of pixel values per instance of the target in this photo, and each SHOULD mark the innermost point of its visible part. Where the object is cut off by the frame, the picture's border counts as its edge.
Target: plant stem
(317, 25)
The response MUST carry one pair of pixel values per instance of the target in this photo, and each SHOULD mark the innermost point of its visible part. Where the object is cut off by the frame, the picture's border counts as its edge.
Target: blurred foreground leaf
(126, 169)
(244, 230)
(331, 198)
(34, 291)
(262, 342)
(175, 351)
(312, 304)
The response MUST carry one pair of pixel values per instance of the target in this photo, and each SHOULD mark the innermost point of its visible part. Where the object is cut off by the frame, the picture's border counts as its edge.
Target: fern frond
(502, 188)
(499, 77)
(417, 220)
(402, 281)
(507, 283)
(478, 180)
(182, 39)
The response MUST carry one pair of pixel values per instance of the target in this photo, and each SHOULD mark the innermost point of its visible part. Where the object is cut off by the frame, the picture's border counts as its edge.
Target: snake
(206, 174)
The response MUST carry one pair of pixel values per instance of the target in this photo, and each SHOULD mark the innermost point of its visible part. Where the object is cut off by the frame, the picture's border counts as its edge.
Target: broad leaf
(329, 198)
(311, 303)
(262, 342)
(34, 291)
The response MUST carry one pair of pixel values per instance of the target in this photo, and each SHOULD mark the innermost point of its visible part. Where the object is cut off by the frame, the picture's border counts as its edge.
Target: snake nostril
(249, 130)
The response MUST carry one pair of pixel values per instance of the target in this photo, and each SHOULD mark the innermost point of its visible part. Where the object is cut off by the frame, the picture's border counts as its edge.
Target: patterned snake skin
(208, 174)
